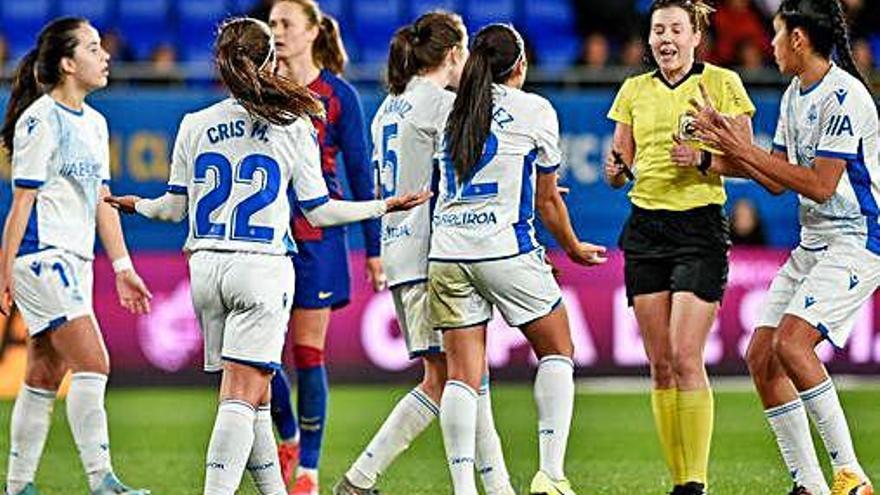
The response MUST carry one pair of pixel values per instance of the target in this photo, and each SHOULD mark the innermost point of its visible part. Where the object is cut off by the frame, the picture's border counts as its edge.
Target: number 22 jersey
(235, 171)
(489, 215)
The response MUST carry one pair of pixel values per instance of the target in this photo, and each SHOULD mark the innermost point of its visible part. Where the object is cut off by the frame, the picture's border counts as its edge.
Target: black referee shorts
(677, 251)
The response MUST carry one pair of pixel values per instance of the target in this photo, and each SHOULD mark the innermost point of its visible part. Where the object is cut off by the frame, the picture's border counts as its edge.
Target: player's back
(407, 131)
(489, 214)
(235, 170)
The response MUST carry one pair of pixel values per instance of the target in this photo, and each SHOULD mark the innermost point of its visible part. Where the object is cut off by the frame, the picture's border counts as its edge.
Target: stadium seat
(145, 24)
(478, 13)
(21, 21)
(419, 7)
(550, 27)
(374, 23)
(98, 12)
(242, 6)
(197, 22)
(336, 8)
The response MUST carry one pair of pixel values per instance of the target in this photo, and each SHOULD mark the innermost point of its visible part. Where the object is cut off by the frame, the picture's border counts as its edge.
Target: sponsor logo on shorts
(809, 301)
(324, 295)
(853, 281)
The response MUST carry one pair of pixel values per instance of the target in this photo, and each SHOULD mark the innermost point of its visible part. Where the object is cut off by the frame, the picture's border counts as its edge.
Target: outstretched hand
(721, 132)
(125, 204)
(407, 201)
(588, 254)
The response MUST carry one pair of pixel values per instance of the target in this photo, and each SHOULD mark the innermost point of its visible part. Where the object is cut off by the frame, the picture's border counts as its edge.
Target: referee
(676, 240)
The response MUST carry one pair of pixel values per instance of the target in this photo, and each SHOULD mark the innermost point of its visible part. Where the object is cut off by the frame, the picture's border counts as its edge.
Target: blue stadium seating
(99, 12)
(419, 7)
(197, 22)
(478, 13)
(549, 26)
(374, 23)
(144, 24)
(22, 21)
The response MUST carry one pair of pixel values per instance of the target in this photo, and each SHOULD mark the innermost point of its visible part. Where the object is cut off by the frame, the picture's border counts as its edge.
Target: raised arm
(624, 146)
(554, 214)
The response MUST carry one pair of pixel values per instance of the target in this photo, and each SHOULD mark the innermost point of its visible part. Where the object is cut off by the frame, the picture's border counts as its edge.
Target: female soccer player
(425, 57)
(675, 242)
(60, 171)
(826, 149)
(484, 254)
(233, 162)
(311, 53)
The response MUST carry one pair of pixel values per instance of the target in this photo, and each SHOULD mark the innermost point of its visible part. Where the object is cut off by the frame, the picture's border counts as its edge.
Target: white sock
(458, 420)
(824, 408)
(792, 430)
(88, 423)
(231, 443)
(554, 396)
(490, 457)
(263, 461)
(409, 418)
(31, 417)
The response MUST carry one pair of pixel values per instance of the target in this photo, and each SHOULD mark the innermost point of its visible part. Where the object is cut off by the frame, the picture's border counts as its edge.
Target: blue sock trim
(777, 411)
(39, 392)
(462, 385)
(425, 401)
(817, 390)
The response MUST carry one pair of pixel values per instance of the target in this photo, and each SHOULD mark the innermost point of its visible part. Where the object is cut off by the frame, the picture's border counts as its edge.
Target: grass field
(159, 438)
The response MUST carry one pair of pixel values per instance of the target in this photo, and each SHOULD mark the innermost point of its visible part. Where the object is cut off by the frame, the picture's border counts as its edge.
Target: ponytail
(328, 50)
(842, 43)
(422, 46)
(25, 91)
(40, 70)
(245, 56)
(497, 50)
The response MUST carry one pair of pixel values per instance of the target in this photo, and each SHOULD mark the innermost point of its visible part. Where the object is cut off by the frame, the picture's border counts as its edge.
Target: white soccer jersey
(489, 215)
(64, 154)
(835, 118)
(407, 132)
(235, 171)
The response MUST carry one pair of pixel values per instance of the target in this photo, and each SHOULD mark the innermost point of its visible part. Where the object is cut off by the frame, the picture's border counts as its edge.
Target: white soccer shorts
(412, 308)
(52, 287)
(242, 301)
(825, 287)
(463, 294)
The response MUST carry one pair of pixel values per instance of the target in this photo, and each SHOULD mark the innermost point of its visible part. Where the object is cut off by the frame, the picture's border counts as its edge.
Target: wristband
(122, 264)
(705, 162)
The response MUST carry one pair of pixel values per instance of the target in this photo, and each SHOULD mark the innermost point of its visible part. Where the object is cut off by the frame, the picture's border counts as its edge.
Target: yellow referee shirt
(655, 109)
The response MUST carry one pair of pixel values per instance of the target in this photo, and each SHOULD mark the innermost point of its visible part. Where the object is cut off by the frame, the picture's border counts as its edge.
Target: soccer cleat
(543, 485)
(799, 490)
(847, 482)
(344, 487)
(28, 489)
(305, 485)
(288, 460)
(111, 485)
(677, 490)
(693, 488)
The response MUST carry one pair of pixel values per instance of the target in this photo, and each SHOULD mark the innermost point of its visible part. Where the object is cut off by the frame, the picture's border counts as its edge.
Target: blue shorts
(322, 274)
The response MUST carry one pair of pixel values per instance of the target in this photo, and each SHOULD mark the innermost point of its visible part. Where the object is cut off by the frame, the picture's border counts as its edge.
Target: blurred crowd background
(570, 42)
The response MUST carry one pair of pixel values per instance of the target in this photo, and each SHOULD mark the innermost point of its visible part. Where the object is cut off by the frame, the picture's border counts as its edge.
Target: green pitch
(159, 438)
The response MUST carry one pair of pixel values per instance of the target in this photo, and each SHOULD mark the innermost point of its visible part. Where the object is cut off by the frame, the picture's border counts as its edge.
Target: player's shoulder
(842, 86)
(530, 107)
(339, 85)
(38, 116)
(41, 108)
(637, 81)
(720, 74)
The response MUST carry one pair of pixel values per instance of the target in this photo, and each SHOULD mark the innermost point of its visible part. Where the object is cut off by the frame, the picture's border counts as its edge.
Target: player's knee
(305, 356)
(44, 377)
(758, 358)
(786, 347)
(663, 374)
(687, 365)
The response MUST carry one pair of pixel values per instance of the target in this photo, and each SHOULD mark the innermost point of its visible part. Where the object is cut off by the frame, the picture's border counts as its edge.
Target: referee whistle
(618, 159)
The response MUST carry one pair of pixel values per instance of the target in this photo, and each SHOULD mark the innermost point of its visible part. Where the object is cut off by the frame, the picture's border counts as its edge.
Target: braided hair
(825, 24)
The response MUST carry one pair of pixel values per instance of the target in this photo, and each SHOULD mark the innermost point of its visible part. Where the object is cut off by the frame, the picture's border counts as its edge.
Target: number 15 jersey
(235, 171)
(489, 214)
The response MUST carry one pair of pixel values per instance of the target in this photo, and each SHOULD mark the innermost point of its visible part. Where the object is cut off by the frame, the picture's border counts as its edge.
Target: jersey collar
(697, 68)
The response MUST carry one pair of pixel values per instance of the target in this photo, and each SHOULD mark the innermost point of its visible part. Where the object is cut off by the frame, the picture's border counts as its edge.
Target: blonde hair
(328, 51)
(698, 11)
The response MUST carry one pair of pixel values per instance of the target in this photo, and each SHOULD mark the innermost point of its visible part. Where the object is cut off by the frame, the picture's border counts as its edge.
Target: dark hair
(824, 22)
(40, 70)
(245, 55)
(698, 11)
(328, 51)
(422, 46)
(495, 52)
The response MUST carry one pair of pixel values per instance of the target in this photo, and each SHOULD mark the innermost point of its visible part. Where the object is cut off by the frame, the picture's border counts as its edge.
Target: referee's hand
(587, 254)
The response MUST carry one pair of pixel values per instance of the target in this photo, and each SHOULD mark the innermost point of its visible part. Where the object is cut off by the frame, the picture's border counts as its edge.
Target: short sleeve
(547, 139)
(34, 143)
(180, 158)
(780, 142)
(735, 99)
(621, 109)
(306, 177)
(840, 121)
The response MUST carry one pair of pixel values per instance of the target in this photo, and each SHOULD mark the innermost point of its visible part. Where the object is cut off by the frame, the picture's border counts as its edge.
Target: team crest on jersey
(813, 114)
(31, 123)
(841, 95)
